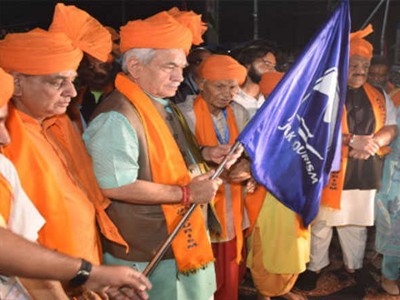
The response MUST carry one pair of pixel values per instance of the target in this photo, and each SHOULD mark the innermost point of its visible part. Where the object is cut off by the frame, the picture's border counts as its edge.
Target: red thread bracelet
(183, 188)
(185, 196)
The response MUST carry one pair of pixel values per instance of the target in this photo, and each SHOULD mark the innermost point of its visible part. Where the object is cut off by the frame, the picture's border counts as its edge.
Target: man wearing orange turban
(257, 60)
(19, 215)
(63, 188)
(97, 70)
(166, 30)
(347, 203)
(146, 159)
(215, 119)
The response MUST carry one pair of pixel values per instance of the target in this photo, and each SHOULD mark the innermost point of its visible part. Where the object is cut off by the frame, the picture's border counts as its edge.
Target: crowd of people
(109, 137)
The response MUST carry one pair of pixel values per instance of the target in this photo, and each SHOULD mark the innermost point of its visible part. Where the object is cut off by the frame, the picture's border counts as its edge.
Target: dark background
(290, 23)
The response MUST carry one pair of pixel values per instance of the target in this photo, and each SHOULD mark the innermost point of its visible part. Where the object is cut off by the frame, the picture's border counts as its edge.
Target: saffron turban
(269, 81)
(359, 46)
(192, 21)
(6, 87)
(85, 31)
(38, 52)
(222, 67)
(165, 30)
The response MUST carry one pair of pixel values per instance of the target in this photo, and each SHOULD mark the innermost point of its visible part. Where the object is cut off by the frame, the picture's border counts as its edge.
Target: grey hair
(143, 55)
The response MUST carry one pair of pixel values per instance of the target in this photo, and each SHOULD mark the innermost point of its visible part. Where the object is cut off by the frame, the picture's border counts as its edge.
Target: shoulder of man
(117, 102)
(242, 115)
(238, 108)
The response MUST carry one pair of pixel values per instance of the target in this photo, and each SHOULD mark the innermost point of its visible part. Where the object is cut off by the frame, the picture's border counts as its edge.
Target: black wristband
(82, 275)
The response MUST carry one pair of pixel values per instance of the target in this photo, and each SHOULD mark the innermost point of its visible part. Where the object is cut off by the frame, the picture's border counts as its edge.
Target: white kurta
(250, 103)
(24, 220)
(357, 208)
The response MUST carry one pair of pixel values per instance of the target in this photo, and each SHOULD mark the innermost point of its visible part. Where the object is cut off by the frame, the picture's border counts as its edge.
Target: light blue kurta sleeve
(113, 145)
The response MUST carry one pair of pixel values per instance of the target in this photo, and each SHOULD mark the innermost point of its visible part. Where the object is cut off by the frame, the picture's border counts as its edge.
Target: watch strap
(82, 275)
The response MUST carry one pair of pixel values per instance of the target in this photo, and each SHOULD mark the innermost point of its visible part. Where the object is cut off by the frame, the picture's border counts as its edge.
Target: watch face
(82, 275)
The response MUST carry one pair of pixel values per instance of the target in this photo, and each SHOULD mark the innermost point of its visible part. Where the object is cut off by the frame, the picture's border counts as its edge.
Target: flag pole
(372, 14)
(167, 243)
(384, 27)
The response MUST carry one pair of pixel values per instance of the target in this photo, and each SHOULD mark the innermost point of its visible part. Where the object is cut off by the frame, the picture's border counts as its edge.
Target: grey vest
(144, 226)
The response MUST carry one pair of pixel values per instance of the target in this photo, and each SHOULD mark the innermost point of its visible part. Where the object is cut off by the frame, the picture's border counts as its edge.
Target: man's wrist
(348, 139)
(204, 152)
(82, 275)
(377, 141)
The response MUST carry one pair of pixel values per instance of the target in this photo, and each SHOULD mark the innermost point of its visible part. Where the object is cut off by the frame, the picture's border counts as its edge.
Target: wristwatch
(351, 141)
(82, 275)
(348, 139)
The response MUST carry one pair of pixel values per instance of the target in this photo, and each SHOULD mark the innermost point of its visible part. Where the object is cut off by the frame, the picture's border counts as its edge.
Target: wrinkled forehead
(67, 74)
(223, 83)
(167, 56)
(356, 59)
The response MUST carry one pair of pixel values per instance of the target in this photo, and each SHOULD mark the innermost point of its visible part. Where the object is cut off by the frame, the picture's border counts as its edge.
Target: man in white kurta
(369, 126)
(23, 219)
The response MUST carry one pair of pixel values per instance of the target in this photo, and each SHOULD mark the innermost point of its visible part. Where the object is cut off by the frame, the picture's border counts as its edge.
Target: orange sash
(191, 246)
(331, 194)
(38, 181)
(253, 203)
(6, 196)
(206, 136)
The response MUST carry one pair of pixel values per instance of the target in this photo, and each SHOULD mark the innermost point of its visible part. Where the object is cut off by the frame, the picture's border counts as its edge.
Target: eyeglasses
(354, 67)
(268, 63)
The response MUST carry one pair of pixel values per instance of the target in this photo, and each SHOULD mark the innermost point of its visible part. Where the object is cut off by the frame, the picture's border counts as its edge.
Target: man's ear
(134, 67)
(17, 84)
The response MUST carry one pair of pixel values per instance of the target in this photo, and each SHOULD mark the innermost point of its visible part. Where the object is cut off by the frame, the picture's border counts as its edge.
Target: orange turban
(359, 46)
(192, 21)
(38, 52)
(6, 87)
(84, 30)
(161, 31)
(222, 67)
(269, 81)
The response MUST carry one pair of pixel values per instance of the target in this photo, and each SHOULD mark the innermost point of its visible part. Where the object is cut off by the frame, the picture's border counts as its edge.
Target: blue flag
(293, 137)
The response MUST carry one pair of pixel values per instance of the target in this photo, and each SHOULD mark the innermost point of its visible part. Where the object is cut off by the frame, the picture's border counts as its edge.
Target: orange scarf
(206, 136)
(39, 183)
(331, 194)
(191, 246)
(6, 196)
(253, 203)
